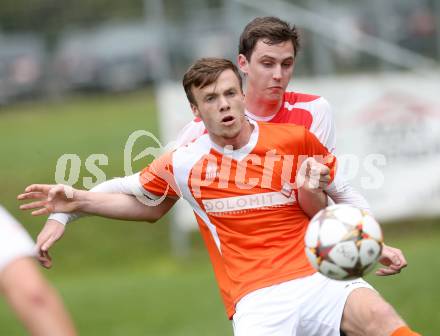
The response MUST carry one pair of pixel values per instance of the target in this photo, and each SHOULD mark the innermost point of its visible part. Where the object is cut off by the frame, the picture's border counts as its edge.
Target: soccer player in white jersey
(267, 51)
(34, 301)
(248, 215)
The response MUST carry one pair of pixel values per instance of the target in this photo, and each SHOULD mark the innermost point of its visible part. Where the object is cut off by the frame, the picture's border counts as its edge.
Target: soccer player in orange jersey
(241, 179)
(267, 51)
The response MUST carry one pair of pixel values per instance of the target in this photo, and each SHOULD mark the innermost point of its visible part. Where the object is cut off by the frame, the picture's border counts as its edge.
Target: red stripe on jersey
(293, 97)
(295, 116)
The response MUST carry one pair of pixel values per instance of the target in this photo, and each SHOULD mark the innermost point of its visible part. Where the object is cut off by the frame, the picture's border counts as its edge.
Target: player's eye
(267, 64)
(231, 93)
(209, 99)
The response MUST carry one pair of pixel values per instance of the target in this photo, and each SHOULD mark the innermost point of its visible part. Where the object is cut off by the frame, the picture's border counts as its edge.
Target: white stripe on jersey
(184, 159)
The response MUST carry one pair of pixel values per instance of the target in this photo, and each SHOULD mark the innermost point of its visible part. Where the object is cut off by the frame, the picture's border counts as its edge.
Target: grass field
(118, 278)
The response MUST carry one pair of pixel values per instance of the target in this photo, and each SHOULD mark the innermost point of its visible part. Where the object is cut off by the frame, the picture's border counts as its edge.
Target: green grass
(35, 135)
(118, 278)
(155, 297)
(414, 292)
(162, 296)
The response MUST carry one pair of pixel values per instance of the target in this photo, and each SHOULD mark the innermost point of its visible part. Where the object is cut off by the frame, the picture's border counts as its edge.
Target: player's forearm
(117, 185)
(342, 192)
(117, 206)
(107, 186)
(311, 201)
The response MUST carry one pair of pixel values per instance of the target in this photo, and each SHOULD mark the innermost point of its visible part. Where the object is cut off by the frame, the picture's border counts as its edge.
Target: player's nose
(277, 74)
(224, 104)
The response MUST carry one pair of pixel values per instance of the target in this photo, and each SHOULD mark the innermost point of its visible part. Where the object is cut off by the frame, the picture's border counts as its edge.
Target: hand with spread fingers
(46, 199)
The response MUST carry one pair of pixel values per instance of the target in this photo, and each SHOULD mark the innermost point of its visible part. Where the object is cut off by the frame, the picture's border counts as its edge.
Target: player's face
(221, 107)
(269, 69)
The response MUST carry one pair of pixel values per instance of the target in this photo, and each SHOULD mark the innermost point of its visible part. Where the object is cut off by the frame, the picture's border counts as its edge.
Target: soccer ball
(343, 242)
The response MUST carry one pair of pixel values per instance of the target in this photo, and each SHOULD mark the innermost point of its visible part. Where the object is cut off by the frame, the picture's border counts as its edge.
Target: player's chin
(274, 95)
(231, 133)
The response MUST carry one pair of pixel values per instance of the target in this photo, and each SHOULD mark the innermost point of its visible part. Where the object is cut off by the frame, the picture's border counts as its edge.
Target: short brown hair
(206, 71)
(270, 29)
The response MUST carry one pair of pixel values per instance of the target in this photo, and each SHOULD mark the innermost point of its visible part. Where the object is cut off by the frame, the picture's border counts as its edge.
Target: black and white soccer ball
(343, 242)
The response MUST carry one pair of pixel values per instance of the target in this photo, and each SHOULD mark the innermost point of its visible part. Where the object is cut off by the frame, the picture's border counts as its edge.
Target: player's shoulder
(283, 137)
(298, 97)
(281, 130)
(304, 100)
(273, 127)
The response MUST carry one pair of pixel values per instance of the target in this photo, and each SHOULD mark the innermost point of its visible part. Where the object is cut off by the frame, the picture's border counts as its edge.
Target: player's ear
(195, 111)
(242, 63)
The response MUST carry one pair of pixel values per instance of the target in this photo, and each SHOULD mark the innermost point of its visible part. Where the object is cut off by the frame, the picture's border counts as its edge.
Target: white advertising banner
(388, 138)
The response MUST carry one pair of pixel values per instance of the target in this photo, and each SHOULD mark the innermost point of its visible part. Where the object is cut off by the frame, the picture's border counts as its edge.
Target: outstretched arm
(124, 185)
(60, 198)
(118, 206)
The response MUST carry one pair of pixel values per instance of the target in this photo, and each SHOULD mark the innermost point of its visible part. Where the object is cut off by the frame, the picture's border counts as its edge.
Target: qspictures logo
(68, 166)
(68, 169)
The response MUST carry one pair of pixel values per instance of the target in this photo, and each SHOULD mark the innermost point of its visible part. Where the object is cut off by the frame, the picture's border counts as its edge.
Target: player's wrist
(60, 217)
(310, 188)
(81, 201)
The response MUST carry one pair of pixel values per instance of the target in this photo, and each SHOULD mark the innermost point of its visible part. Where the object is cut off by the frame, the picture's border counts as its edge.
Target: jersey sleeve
(323, 126)
(339, 190)
(158, 179)
(15, 242)
(125, 185)
(314, 148)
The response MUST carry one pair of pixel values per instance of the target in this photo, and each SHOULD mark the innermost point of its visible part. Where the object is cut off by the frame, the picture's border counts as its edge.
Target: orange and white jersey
(312, 112)
(245, 203)
(15, 242)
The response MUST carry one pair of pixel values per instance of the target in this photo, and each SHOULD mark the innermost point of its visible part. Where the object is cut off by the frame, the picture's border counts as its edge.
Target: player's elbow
(151, 220)
(156, 212)
(147, 214)
(154, 216)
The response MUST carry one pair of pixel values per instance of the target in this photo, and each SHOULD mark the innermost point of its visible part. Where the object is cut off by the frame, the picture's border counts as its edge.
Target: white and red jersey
(245, 203)
(312, 112)
(15, 242)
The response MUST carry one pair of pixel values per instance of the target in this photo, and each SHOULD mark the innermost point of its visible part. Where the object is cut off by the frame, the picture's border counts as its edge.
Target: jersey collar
(267, 118)
(241, 153)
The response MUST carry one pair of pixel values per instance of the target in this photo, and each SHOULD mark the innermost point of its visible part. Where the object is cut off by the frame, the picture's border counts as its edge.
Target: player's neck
(241, 140)
(261, 107)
